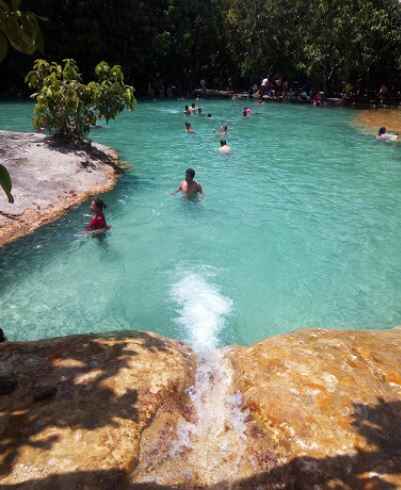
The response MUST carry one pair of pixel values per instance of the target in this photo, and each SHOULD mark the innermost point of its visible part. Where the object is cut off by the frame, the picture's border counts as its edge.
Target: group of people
(188, 187)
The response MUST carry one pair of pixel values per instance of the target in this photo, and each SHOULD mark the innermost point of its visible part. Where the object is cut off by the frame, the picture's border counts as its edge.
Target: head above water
(223, 142)
(189, 174)
(193, 105)
(209, 115)
(187, 125)
(98, 205)
(382, 131)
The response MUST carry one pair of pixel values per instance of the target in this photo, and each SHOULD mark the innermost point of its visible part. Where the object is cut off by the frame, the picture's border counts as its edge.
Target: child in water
(98, 222)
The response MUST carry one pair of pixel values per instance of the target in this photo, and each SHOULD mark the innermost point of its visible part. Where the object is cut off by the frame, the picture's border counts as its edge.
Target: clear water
(300, 226)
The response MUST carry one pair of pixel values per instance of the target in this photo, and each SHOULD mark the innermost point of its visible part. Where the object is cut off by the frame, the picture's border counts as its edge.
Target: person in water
(187, 111)
(98, 222)
(189, 128)
(189, 187)
(223, 130)
(224, 147)
(383, 135)
(247, 112)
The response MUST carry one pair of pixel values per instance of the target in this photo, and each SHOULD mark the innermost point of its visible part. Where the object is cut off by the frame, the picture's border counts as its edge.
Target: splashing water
(202, 310)
(214, 440)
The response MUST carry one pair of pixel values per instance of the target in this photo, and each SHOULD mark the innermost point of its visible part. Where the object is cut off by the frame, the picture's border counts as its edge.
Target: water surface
(300, 226)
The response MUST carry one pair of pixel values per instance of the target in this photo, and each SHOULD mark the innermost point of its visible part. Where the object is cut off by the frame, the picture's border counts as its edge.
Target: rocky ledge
(321, 408)
(49, 179)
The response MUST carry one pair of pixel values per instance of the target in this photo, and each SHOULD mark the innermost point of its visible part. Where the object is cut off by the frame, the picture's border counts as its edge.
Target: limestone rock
(321, 408)
(42, 197)
(325, 410)
(76, 418)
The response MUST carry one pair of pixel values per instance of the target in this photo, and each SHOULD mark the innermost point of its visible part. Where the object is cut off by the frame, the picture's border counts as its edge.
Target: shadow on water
(55, 396)
(379, 424)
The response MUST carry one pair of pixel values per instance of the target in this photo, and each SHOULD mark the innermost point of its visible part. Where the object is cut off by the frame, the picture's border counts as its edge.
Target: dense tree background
(225, 42)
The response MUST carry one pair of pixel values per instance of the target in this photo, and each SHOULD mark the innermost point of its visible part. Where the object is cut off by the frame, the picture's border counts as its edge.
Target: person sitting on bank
(98, 222)
(189, 187)
(189, 128)
(383, 135)
(224, 147)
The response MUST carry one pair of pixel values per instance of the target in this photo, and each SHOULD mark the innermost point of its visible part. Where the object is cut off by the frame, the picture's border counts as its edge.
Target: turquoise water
(300, 226)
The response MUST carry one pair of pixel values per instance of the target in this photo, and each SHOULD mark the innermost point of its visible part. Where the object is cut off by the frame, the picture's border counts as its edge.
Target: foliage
(325, 40)
(5, 183)
(180, 42)
(18, 28)
(67, 107)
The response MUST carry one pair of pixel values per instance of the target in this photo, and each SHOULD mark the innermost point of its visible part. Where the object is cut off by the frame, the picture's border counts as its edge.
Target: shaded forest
(171, 45)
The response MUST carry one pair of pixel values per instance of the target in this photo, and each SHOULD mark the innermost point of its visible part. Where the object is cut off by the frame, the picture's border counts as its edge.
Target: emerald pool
(300, 226)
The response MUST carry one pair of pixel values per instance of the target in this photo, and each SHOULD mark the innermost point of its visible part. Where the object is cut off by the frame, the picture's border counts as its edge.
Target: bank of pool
(300, 226)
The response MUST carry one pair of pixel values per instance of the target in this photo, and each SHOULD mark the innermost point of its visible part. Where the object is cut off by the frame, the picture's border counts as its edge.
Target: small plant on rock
(66, 107)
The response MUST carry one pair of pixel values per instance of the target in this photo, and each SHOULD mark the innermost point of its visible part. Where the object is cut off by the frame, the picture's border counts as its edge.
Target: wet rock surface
(314, 409)
(49, 179)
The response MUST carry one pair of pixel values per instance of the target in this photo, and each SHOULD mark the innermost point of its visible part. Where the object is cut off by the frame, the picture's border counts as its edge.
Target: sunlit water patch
(301, 221)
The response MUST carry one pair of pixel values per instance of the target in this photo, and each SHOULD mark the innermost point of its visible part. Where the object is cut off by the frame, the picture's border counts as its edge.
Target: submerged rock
(321, 409)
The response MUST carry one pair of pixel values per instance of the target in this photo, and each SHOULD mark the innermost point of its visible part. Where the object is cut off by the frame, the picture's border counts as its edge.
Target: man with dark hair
(189, 187)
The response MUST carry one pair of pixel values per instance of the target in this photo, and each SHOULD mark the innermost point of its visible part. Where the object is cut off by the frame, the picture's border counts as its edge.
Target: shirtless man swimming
(189, 187)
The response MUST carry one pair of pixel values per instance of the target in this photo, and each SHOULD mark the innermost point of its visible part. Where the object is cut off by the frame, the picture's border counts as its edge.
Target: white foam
(215, 436)
(202, 310)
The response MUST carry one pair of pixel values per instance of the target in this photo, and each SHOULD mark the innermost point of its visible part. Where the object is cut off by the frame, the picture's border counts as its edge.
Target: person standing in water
(189, 128)
(98, 222)
(224, 147)
(189, 187)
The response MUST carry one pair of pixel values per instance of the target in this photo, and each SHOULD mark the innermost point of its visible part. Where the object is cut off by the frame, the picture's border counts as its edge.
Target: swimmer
(187, 111)
(209, 116)
(383, 135)
(224, 148)
(247, 112)
(193, 107)
(188, 128)
(200, 113)
(98, 222)
(223, 130)
(189, 187)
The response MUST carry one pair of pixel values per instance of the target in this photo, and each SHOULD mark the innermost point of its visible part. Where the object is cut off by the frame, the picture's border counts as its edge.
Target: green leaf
(5, 183)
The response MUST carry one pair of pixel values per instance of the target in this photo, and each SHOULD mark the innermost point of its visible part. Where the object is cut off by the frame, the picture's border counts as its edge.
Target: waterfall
(214, 440)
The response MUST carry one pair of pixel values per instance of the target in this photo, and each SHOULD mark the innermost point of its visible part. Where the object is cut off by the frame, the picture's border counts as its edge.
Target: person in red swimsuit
(98, 222)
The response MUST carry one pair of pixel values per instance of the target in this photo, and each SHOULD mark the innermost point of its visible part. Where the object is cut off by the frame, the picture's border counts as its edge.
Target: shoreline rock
(48, 180)
(322, 408)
